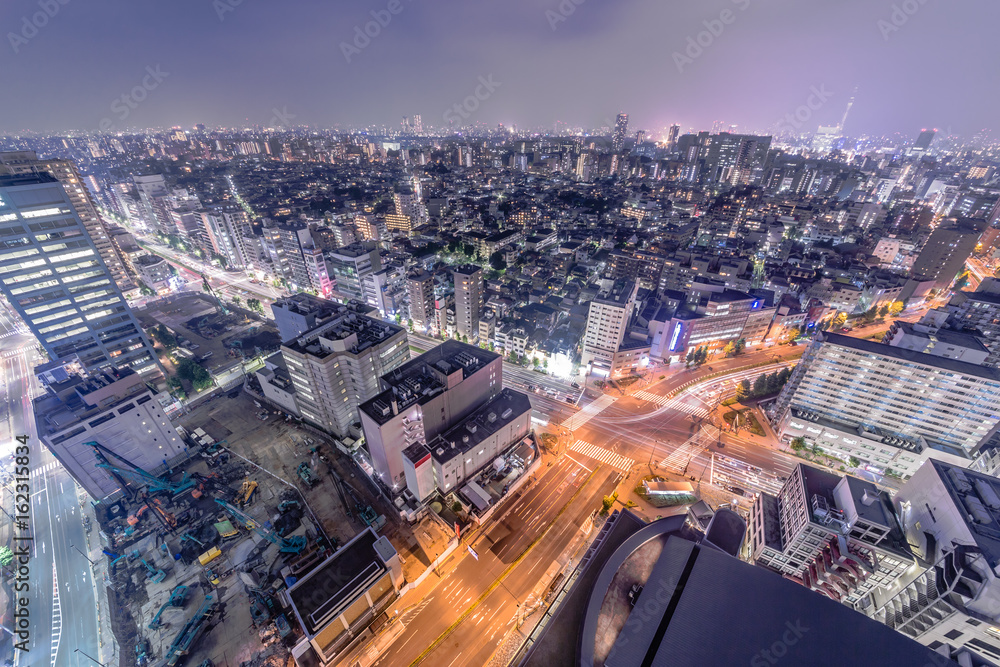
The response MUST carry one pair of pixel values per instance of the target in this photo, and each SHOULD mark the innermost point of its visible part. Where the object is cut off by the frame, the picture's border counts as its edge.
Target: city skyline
(478, 65)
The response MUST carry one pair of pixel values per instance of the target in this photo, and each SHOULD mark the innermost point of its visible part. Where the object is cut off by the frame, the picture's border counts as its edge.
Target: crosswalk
(679, 459)
(617, 461)
(671, 403)
(40, 472)
(588, 412)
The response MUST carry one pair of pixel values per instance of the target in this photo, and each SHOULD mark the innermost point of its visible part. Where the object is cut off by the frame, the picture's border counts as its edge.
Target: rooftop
(946, 336)
(426, 376)
(505, 407)
(977, 496)
(911, 356)
(324, 593)
(355, 334)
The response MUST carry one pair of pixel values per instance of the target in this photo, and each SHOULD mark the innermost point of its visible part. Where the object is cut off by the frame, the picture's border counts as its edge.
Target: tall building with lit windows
(621, 131)
(52, 273)
(891, 406)
(468, 300)
(27, 162)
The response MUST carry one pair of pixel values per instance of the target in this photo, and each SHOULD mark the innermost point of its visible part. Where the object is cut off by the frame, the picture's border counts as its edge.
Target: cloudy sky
(912, 63)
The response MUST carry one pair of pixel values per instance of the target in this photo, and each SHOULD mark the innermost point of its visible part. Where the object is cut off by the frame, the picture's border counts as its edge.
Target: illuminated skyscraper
(52, 273)
(621, 130)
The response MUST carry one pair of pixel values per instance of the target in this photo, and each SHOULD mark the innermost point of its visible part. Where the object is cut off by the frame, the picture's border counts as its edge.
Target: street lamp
(83, 554)
(76, 650)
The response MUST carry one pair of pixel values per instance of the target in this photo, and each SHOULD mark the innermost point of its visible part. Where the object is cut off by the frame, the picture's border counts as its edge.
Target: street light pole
(76, 650)
(84, 555)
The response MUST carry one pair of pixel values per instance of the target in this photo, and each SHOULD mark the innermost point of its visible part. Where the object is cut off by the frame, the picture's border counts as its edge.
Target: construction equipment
(141, 651)
(291, 545)
(190, 633)
(209, 556)
(207, 287)
(281, 623)
(177, 599)
(155, 576)
(288, 506)
(246, 493)
(137, 476)
(306, 473)
(190, 537)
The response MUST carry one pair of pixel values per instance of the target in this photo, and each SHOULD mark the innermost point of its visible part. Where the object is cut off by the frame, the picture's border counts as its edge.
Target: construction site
(201, 554)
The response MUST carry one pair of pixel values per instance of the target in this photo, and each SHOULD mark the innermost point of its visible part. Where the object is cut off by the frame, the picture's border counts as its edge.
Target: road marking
(578, 463)
(671, 403)
(616, 461)
(588, 412)
(680, 457)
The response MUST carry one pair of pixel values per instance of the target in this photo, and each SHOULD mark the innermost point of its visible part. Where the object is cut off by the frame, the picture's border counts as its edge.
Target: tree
(783, 376)
(730, 349)
(497, 261)
(163, 336)
(409, 324)
(608, 502)
(798, 444)
(701, 355)
(853, 462)
(896, 308)
(883, 311)
(236, 300)
(690, 357)
(255, 305)
(145, 289)
(759, 386)
(193, 372)
(743, 389)
(840, 319)
(741, 345)
(6, 556)
(773, 382)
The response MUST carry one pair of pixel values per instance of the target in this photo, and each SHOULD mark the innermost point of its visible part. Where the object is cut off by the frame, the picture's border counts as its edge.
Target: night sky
(933, 66)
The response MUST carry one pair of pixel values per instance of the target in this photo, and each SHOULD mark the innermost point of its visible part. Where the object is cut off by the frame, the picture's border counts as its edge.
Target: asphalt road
(464, 602)
(67, 621)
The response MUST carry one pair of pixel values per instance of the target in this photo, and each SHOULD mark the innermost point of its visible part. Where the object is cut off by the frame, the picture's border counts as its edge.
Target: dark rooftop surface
(507, 406)
(324, 591)
(979, 493)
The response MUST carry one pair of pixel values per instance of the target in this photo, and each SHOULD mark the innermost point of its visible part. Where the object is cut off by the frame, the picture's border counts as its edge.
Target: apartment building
(336, 365)
(890, 407)
(837, 535)
(607, 324)
(420, 288)
(469, 300)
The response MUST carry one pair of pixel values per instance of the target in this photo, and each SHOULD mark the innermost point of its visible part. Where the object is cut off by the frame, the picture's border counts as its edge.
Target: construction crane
(289, 545)
(190, 633)
(137, 475)
(177, 598)
(207, 287)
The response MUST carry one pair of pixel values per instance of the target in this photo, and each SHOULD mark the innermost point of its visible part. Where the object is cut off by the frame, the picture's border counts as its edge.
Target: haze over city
(914, 64)
(574, 333)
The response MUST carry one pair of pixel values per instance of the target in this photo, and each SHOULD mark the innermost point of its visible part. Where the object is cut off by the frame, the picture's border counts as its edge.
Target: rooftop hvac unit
(507, 413)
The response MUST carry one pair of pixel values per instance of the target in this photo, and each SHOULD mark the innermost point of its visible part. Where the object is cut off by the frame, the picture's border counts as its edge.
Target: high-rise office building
(607, 323)
(947, 249)
(26, 162)
(469, 300)
(349, 265)
(923, 142)
(153, 194)
(225, 230)
(336, 365)
(420, 285)
(621, 131)
(672, 136)
(889, 407)
(53, 275)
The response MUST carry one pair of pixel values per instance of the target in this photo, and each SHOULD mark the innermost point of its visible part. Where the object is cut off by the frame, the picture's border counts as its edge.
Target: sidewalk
(107, 643)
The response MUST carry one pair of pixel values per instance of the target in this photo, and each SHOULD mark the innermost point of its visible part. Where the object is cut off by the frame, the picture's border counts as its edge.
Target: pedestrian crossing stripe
(616, 461)
(671, 403)
(38, 472)
(680, 457)
(588, 412)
